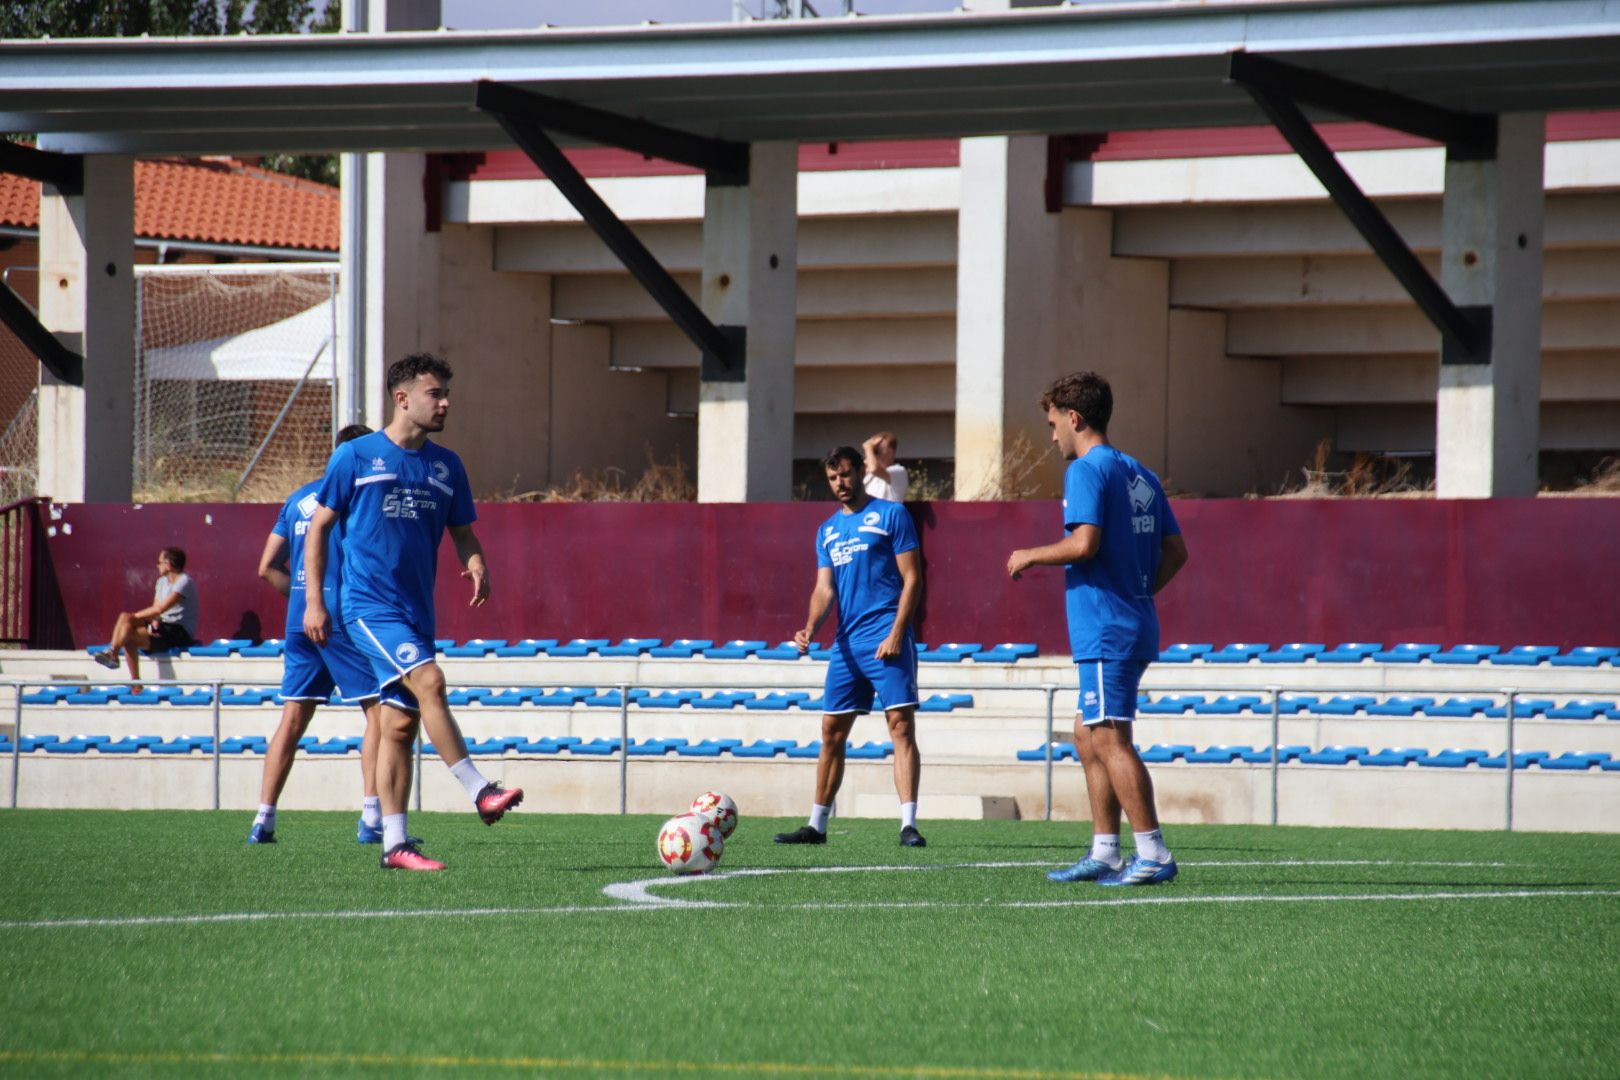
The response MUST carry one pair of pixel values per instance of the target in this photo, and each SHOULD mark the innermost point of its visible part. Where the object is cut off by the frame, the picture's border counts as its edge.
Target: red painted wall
(1503, 571)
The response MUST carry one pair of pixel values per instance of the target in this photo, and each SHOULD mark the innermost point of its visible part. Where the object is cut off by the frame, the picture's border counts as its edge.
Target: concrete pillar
(1007, 246)
(1487, 416)
(750, 266)
(87, 298)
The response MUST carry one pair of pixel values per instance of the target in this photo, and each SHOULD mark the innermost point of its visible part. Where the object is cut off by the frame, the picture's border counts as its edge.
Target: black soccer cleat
(804, 834)
(910, 837)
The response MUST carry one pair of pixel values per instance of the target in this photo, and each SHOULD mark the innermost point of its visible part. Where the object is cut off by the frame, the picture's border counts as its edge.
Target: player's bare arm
(1172, 557)
(471, 554)
(822, 598)
(1078, 546)
(273, 565)
(317, 623)
(910, 567)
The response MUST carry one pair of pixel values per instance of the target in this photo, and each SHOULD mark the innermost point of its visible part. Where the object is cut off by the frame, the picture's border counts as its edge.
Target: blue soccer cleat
(261, 835)
(373, 834)
(1140, 871)
(1087, 869)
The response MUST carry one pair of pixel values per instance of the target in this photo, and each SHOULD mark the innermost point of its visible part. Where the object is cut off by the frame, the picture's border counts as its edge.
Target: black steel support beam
(1465, 332)
(65, 172)
(59, 360)
(724, 348)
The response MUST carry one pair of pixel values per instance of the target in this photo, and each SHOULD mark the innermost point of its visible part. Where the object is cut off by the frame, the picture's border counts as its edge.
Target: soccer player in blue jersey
(867, 564)
(1122, 546)
(309, 674)
(395, 493)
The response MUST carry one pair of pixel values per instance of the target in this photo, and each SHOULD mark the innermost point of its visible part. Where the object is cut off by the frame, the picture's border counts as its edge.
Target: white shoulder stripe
(441, 485)
(372, 479)
(873, 529)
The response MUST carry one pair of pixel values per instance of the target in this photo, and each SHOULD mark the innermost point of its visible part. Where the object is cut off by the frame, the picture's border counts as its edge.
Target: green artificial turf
(1280, 952)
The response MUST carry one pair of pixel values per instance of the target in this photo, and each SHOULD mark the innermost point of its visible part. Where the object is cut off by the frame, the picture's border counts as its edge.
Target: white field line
(634, 896)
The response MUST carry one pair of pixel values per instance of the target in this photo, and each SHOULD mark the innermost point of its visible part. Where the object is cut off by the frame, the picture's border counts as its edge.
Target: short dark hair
(353, 431)
(1085, 392)
(176, 557)
(403, 371)
(844, 453)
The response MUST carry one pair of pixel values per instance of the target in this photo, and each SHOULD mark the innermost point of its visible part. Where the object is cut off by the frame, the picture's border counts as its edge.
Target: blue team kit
(859, 549)
(395, 505)
(310, 672)
(1113, 627)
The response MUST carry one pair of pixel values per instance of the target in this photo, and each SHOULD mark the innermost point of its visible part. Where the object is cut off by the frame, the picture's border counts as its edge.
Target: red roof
(210, 200)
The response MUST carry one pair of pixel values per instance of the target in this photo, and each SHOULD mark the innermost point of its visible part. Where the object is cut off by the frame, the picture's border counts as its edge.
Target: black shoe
(804, 834)
(910, 837)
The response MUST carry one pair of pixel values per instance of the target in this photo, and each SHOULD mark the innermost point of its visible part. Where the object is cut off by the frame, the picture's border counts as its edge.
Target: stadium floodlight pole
(1276, 748)
(624, 745)
(1507, 756)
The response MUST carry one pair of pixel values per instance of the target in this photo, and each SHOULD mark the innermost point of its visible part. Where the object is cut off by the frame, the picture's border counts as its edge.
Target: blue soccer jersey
(860, 549)
(394, 505)
(1109, 598)
(291, 525)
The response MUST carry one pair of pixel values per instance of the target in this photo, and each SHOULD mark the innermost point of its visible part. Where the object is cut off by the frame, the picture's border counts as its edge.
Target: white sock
(908, 815)
(471, 779)
(818, 817)
(393, 831)
(371, 811)
(266, 816)
(1105, 848)
(1150, 845)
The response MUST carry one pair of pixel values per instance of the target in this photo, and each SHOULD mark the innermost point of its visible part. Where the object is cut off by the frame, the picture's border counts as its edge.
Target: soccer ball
(718, 808)
(690, 844)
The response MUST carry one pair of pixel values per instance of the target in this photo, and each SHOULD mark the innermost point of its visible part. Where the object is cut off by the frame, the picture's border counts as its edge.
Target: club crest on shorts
(407, 652)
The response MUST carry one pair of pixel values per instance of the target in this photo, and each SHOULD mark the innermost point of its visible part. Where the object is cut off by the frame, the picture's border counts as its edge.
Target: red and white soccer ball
(690, 844)
(719, 808)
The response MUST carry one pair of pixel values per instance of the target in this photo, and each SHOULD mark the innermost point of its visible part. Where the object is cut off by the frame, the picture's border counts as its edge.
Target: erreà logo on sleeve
(1141, 494)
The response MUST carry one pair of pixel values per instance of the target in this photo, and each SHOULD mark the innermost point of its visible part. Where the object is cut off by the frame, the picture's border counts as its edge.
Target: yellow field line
(762, 1068)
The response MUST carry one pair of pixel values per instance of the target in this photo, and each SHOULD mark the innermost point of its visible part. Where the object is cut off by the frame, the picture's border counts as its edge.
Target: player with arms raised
(396, 492)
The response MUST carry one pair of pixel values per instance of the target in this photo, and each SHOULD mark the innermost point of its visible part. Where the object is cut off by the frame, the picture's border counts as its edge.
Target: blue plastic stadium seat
(949, 653)
(630, 646)
(1574, 761)
(564, 696)
(1169, 704)
(498, 745)
(1229, 705)
(1397, 756)
(610, 699)
(1522, 759)
(577, 647)
(1217, 755)
(738, 649)
(1464, 654)
(1007, 652)
(30, 743)
(724, 699)
(78, 744)
(807, 750)
(243, 744)
(1612, 765)
(526, 649)
(202, 695)
(1463, 707)
(1524, 655)
(220, 647)
(94, 695)
(1400, 705)
(1237, 653)
(1585, 709)
(549, 745)
(476, 647)
(1163, 753)
(247, 695)
(466, 695)
(1183, 653)
(670, 699)
(596, 747)
(267, 647)
(1061, 751)
(442, 643)
(815, 704)
(1349, 652)
(654, 747)
(1296, 652)
(51, 695)
(681, 648)
(1343, 705)
(784, 651)
(1451, 758)
(183, 744)
(130, 744)
(1407, 652)
(707, 748)
(150, 695)
(1291, 703)
(944, 702)
(868, 750)
(778, 700)
(340, 744)
(763, 748)
(1523, 708)
(1333, 755)
(1586, 656)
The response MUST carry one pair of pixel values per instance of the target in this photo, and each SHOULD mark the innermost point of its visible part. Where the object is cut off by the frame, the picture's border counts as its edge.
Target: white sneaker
(107, 659)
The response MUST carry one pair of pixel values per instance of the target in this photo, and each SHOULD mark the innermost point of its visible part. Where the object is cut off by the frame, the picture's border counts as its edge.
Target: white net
(234, 380)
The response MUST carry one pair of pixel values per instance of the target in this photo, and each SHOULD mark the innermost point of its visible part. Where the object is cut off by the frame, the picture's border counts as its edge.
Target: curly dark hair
(403, 371)
(1085, 392)
(844, 453)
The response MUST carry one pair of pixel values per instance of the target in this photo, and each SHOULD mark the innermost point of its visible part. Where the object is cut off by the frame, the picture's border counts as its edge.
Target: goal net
(234, 380)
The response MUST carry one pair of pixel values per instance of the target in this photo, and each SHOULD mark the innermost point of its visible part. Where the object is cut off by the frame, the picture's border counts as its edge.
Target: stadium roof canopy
(1097, 67)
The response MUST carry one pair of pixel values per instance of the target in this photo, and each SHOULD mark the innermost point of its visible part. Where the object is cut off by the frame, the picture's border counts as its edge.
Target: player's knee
(427, 681)
(834, 735)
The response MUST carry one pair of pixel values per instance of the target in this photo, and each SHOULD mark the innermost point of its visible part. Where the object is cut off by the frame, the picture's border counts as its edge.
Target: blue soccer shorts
(856, 677)
(310, 672)
(1108, 689)
(392, 647)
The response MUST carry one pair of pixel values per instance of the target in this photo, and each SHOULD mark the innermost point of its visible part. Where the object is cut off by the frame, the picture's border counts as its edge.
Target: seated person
(169, 623)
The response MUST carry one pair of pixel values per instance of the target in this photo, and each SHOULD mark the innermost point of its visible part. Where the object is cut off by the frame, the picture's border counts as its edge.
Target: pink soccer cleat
(406, 857)
(494, 801)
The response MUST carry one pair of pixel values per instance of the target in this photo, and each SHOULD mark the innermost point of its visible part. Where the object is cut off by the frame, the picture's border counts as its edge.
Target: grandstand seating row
(1350, 652)
(769, 748)
(1289, 703)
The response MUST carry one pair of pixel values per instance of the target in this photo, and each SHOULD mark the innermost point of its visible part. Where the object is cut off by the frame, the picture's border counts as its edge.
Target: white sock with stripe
(394, 832)
(1105, 848)
(266, 816)
(471, 779)
(371, 811)
(1150, 845)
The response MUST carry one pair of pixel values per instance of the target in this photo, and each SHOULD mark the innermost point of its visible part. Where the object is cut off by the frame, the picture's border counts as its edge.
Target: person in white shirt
(170, 622)
(884, 479)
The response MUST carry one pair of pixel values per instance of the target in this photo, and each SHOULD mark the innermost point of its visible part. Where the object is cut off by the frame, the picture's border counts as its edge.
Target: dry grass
(659, 482)
(1022, 466)
(1367, 476)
